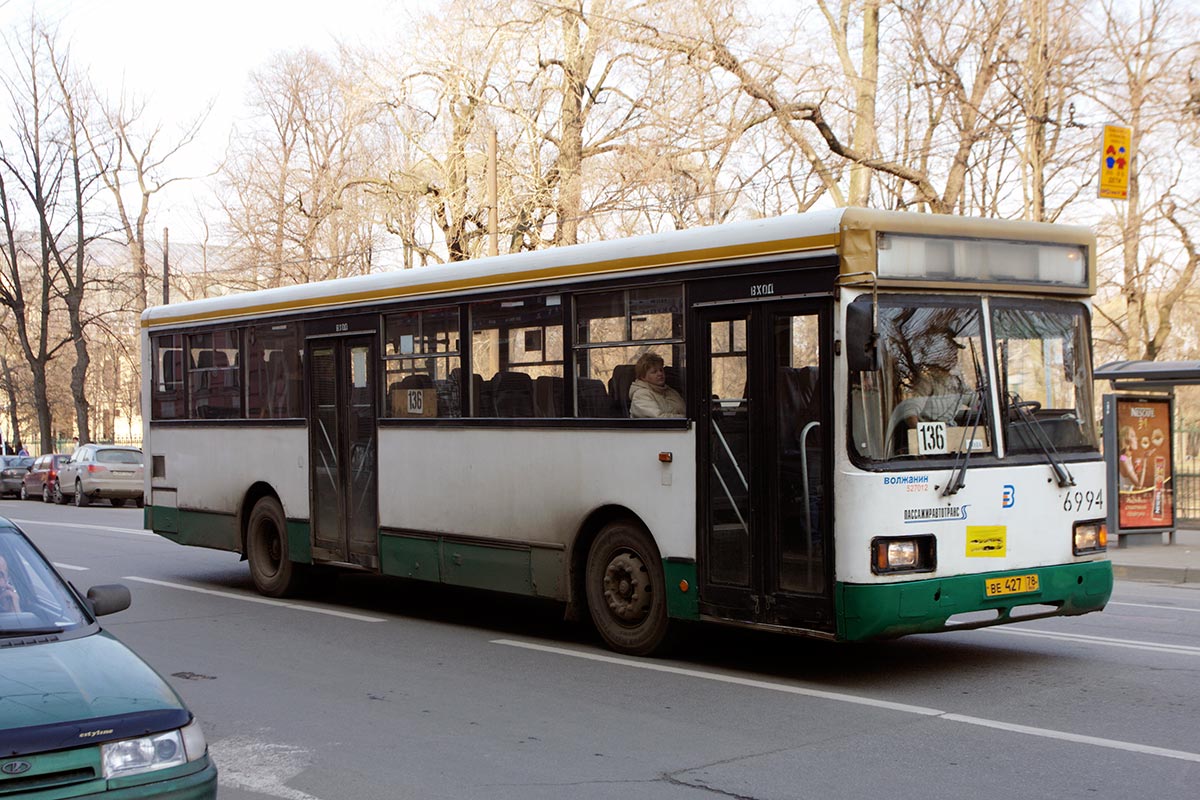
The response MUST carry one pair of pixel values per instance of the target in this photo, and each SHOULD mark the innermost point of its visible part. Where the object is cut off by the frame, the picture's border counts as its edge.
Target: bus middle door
(765, 546)
(342, 449)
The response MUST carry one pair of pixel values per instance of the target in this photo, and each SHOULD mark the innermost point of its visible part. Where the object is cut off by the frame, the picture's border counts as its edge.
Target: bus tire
(626, 594)
(274, 574)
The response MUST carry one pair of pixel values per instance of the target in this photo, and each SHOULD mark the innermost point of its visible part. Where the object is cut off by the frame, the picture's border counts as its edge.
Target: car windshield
(924, 402)
(33, 599)
(119, 456)
(1043, 361)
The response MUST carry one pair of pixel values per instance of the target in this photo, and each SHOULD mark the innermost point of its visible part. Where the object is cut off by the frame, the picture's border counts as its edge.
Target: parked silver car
(102, 471)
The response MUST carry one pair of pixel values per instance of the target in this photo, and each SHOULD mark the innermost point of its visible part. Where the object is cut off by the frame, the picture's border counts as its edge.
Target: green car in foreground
(80, 714)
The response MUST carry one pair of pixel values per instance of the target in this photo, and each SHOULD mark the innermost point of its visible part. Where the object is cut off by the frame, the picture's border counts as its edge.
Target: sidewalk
(1146, 559)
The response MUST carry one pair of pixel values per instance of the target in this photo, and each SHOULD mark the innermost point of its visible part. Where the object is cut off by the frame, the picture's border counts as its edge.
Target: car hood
(78, 680)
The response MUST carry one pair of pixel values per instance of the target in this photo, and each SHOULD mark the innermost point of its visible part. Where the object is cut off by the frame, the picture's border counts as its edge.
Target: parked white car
(102, 471)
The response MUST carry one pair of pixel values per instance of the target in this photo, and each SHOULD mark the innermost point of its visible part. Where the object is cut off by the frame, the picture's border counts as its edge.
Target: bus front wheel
(625, 591)
(274, 574)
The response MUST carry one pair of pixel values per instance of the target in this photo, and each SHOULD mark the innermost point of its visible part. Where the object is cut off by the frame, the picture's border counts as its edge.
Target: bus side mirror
(862, 342)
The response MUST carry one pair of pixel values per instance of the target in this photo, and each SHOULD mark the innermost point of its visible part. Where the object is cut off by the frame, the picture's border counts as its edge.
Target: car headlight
(1090, 537)
(903, 554)
(149, 753)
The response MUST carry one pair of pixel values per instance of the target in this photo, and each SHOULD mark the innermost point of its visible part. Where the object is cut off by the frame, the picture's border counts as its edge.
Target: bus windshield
(933, 371)
(1043, 362)
(931, 396)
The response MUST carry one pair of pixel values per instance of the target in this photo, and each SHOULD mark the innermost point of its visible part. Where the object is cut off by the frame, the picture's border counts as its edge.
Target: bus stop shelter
(1139, 450)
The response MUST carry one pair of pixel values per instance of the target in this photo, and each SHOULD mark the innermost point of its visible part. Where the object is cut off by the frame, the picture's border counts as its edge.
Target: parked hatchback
(42, 477)
(98, 471)
(12, 473)
(80, 714)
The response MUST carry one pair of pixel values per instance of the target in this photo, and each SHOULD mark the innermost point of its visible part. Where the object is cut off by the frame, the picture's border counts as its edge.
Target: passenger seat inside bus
(548, 395)
(618, 388)
(593, 400)
(481, 397)
(513, 394)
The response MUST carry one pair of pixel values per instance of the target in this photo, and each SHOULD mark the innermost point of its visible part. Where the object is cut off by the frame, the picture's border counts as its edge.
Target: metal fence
(1187, 500)
(64, 445)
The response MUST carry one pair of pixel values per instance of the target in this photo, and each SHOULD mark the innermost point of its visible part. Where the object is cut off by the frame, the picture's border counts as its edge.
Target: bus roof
(755, 240)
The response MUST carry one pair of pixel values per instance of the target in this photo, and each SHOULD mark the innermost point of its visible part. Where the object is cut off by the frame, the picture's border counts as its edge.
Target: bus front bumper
(886, 610)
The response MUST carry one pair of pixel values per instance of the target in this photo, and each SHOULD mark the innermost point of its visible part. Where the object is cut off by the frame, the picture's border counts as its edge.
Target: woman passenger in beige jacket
(649, 395)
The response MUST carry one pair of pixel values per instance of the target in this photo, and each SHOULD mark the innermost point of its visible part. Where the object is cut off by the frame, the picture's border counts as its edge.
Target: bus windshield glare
(931, 396)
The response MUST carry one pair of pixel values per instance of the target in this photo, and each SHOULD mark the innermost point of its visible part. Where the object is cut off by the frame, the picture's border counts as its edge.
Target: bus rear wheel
(625, 589)
(274, 574)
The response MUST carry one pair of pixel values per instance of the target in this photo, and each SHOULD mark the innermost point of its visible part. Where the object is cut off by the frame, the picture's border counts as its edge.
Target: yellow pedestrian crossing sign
(1116, 152)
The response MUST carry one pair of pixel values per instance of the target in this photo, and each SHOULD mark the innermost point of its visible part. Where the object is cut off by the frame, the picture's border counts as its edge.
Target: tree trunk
(10, 395)
(41, 402)
(577, 64)
(864, 117)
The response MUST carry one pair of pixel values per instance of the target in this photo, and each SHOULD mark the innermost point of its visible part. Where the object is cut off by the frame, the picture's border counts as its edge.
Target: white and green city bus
(889, 427)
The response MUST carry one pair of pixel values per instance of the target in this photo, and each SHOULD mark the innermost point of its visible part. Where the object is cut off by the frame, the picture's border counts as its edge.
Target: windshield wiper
(958, 474)
(16, 633)
(962, 457)
(1033, 424)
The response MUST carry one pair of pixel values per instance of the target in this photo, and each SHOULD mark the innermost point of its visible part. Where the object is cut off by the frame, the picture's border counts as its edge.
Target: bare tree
(287, 171)
(130, 157)
(41, 159)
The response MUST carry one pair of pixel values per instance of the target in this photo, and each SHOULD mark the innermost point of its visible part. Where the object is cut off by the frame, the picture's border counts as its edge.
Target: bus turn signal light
(666, 458)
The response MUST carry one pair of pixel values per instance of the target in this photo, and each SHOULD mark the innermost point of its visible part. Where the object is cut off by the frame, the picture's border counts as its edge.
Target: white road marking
(1106, 641)
(1096, 741)
(266, 601)
(51, 523)
(712, 676)
(1164, 608)
(61, 565)
(1046, 733)
(259, 766)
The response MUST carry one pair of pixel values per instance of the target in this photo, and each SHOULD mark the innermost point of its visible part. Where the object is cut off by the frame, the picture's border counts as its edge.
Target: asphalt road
(376, 688)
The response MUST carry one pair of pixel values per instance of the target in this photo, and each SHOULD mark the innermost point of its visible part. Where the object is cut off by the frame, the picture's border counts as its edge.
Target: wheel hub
(627, 587)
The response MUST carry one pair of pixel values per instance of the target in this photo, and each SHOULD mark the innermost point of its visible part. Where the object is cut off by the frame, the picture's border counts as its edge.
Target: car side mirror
(108, 598)
(862, 341)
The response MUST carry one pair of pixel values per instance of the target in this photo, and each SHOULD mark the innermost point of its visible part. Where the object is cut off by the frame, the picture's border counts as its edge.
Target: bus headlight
(903, 554)
(149, 753)
(1090, 537)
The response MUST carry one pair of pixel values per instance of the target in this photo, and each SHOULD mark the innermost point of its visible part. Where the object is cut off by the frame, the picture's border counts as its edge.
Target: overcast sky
(181, 55)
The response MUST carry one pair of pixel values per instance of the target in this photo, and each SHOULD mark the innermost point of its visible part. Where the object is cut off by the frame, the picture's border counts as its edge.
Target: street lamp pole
(166, 267)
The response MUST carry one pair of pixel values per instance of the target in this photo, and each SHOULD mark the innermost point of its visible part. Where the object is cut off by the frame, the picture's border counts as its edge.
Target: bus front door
(342, 450)
(765, 550)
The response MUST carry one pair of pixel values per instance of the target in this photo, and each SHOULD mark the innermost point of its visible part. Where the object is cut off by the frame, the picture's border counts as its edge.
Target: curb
(1137, 572)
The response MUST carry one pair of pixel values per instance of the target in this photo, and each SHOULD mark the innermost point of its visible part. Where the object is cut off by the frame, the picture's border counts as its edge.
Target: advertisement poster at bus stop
(1144, 464)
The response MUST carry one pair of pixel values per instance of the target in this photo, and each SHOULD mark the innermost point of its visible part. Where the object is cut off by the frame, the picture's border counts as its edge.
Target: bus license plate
(1013, 584)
